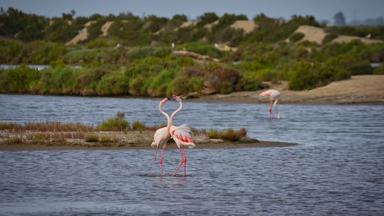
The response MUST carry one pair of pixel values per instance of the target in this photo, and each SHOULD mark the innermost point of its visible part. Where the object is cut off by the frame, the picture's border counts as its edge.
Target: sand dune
(105, 28)
(82, 35)
(245, 25)
(317, 35)
(312, 34)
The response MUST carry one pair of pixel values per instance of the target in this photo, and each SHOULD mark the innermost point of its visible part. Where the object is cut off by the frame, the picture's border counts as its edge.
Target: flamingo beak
(176, 98)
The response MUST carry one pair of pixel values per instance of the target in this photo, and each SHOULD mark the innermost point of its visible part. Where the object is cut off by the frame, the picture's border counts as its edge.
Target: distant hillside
(157, 56)
(130, 29)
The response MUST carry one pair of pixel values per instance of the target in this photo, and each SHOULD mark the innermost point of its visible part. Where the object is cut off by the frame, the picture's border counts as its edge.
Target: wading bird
(161, 136)
(180, 134)
(273, 100)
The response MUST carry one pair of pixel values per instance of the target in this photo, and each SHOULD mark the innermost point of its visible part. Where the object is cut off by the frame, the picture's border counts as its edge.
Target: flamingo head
(176, 98)
(164, 100)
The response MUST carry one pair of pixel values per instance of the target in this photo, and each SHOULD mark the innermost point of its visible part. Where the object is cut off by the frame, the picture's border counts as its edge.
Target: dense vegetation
(135, 57)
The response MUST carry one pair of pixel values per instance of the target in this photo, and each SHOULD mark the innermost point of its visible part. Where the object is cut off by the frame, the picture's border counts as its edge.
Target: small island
(114, 133)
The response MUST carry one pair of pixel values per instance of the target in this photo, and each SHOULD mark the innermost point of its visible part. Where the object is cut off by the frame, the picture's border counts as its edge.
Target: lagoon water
(337, 168)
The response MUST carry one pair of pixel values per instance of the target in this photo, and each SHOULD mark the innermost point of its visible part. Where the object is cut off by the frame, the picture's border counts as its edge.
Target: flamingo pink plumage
(182, 135)
(273, 98)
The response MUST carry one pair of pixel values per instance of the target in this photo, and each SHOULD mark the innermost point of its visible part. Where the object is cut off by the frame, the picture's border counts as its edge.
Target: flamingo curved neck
(177, 110)
(169, 120)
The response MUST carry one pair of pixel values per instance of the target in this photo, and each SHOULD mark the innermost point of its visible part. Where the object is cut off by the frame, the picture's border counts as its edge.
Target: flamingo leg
(161, 159)
(185, 162)
(277, 110)
(180, 162)
(270, 108)
(155, 155)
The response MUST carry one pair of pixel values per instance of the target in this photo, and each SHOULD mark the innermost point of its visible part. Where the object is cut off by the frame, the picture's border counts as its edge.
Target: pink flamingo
(181, 135)
(161, 136)
(273, 99)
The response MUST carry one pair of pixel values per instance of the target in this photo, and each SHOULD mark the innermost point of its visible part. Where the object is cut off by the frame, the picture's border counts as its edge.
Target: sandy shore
(357, 90)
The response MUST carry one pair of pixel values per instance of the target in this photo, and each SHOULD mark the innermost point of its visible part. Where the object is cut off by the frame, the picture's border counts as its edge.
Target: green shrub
(100, 43)
(305, 75)
(379, 70)
(249, 82)
(207, 18)
(114, 124)
(142, 52)
(361, 67)
(160, 83)
(296, 37)
(136, 86)
(114, 83)
(138, 126)
(183, 85)
(19, 79)
(10, 51)
(329, 37)
(81, 56)
(302, 76)
(203, 49)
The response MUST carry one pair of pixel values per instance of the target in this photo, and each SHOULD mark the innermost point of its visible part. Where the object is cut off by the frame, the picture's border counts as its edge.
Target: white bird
(161, 136)
(273, 100)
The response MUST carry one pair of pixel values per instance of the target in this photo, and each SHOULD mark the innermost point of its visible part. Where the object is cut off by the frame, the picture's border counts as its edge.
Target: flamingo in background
(273, 99)
(182, 135)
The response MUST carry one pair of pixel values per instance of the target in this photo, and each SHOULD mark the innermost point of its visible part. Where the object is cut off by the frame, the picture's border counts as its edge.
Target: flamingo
(161, 136)
(181, 135)
(273, 99)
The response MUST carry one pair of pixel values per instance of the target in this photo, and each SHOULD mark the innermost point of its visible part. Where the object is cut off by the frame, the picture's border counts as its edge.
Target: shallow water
(338, 168)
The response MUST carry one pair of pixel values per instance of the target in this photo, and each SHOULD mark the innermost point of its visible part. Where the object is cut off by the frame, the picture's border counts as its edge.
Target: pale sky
(321, 9)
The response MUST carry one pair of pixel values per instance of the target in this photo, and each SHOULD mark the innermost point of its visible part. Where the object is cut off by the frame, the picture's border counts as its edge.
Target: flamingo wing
(272, 93)
(182, 135)
(160, 137)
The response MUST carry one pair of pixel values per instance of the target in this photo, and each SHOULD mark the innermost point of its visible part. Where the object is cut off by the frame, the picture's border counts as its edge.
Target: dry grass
(57, 126)
(45, 126)
(91, 138)
(228, 134)
(107, 139)
(10, 126)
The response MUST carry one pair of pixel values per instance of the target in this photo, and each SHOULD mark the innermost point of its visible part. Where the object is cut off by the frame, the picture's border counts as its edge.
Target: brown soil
(358, 89)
